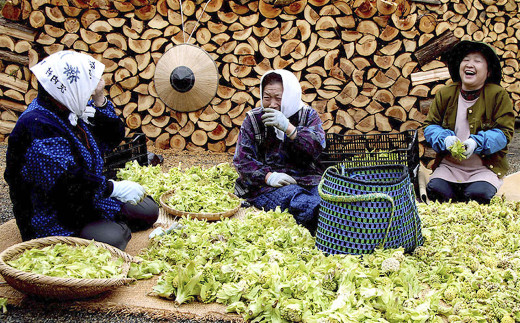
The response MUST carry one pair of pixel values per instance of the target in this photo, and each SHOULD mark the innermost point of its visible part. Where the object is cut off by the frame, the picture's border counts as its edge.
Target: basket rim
(200, 216)
(13, 273)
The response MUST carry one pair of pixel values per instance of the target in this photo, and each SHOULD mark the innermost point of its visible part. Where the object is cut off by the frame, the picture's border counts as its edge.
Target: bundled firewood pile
(367, 66)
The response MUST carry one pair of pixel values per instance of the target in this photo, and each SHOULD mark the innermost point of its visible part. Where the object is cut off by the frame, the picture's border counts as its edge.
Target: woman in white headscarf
(55, 159)
(278, 149)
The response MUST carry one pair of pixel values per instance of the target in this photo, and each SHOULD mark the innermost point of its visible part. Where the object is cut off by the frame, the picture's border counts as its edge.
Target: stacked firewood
(367, 66)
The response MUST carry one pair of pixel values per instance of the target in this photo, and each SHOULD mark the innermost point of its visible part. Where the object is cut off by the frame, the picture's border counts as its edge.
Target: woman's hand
(450, 141)
(275, 118)
(470, 145)
(98, 95)
(128, 191)
(275, 179)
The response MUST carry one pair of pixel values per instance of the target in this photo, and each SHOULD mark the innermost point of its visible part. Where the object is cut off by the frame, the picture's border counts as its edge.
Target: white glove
(88, 113)
(279, 179)
(450, 141)
(128, 191)
(470, 144)
(275, 118)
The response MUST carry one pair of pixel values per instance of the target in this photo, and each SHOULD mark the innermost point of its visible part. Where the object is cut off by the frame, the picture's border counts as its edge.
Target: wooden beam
(14, 58)
(14, 83)
(434, 2)
(16, 30)
(430, 76)
(435, 47)
(13, 106)
(6, 127)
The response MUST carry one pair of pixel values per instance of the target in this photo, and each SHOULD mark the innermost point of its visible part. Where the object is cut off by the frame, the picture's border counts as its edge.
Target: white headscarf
(291, 96)
(70, 78)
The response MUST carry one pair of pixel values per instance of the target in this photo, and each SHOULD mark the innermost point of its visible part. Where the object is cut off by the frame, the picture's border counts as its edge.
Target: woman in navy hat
(477, 111)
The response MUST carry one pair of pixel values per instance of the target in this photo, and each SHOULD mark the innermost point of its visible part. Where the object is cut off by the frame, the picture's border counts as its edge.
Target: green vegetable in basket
(63, 260)
(219, 178)
(3, 304)
(457, 150)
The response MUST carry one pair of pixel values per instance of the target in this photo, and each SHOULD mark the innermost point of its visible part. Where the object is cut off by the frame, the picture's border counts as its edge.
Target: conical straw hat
(186, 78)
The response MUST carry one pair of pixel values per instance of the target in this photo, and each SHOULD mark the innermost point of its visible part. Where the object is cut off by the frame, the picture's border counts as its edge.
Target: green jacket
(493, 109)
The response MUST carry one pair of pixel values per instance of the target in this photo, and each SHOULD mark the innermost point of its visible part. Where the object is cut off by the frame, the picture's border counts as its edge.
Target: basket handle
(351, 198)
(416, 214)
(358, 198)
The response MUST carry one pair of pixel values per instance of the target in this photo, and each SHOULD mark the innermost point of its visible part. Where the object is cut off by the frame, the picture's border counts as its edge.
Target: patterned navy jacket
(259, 152)
(54, 170)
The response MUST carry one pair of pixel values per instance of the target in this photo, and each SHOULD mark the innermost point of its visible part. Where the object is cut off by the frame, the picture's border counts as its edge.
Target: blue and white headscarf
(70, 78)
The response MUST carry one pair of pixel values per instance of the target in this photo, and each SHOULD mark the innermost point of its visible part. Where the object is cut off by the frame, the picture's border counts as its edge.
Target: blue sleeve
(71, 189)
(435, 135)
(489, 141)
(107, 128)
(46, 160)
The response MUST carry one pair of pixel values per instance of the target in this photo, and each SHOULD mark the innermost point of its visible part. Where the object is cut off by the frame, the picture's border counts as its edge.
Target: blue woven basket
(367, 207)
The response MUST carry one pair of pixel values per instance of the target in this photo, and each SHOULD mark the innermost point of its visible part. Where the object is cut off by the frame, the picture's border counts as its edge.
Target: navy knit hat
(455, 56)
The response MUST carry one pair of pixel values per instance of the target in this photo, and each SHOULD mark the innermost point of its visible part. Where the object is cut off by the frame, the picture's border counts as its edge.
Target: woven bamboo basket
(60, 288)
(200, 216)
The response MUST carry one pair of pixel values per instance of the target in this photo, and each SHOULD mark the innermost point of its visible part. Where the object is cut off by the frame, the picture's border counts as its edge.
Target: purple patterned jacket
(259, 152)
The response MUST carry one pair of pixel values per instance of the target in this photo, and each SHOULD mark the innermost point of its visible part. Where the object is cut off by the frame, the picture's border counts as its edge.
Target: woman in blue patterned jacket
(55, 159)
(278, 149)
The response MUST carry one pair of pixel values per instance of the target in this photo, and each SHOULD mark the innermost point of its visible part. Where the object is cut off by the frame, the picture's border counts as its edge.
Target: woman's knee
(481, 192)
(116, 234)
(305, 207)
(142, 215)
(440, 190)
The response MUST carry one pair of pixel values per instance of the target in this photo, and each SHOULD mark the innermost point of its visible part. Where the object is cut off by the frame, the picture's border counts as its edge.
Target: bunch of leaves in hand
(457, 150)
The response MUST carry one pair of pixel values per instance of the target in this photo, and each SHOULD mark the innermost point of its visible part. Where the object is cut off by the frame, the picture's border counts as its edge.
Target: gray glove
(450, 141)
(275, 118)
(128, 191)
(280, 179)
(470, 144)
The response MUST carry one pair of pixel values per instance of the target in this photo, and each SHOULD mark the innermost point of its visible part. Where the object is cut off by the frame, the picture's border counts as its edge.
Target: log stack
(367, 66)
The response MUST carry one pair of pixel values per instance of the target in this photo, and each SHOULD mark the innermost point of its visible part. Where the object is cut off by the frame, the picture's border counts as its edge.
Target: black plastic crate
(373, 149)
(132, 149)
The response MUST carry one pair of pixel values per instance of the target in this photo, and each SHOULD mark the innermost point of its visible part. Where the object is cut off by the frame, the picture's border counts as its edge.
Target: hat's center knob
(182, 79)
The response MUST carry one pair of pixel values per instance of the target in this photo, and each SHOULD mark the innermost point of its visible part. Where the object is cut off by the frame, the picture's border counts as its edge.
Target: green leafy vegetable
(265, 267)
(457, 150)
(63, 260)
(197, 190)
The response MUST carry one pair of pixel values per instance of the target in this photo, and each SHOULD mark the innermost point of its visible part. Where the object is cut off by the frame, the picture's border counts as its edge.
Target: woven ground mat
(132, 299)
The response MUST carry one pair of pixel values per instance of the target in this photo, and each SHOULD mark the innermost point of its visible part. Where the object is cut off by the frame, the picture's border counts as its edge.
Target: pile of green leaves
(457, 150)
(63, 260)
(197, 189)
(265, 267)
(202, 199)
